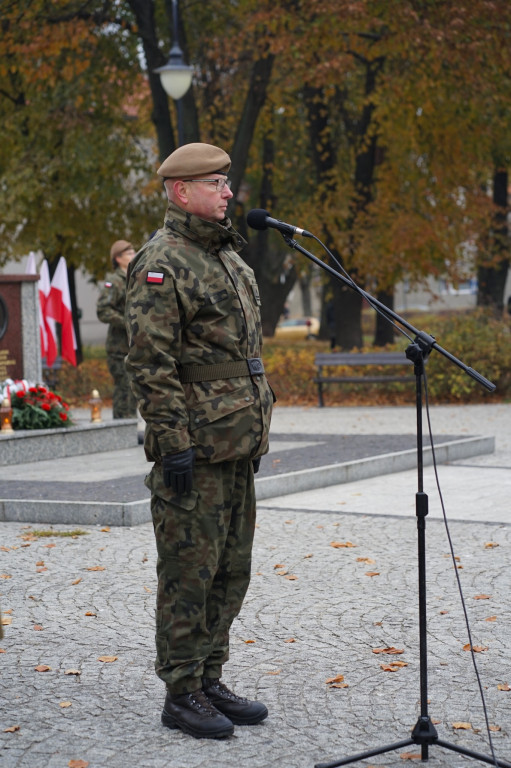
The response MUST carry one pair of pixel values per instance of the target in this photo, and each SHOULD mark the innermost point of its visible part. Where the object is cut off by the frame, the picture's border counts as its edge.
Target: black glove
(256, 464)
(178, 470)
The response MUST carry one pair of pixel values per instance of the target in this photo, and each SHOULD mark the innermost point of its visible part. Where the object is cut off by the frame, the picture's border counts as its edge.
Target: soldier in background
(194, 328)
(110, 309)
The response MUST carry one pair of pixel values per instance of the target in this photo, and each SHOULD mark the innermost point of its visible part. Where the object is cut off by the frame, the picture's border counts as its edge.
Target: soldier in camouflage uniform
(194, 328)
(110, 309)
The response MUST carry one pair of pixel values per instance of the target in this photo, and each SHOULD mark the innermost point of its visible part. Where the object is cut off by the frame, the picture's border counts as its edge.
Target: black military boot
(193, 713)
(239, 710)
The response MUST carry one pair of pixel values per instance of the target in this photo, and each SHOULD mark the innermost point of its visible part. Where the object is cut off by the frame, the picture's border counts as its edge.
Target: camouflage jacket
(110, 309)
(191, 300)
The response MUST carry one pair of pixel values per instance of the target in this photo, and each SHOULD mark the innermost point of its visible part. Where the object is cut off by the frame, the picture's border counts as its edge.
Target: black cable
(458, 580)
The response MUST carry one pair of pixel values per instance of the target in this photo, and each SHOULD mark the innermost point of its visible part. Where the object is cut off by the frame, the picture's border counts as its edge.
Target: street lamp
(176, 76)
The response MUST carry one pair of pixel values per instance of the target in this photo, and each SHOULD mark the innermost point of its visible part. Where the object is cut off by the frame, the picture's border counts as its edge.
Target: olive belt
(251, 366)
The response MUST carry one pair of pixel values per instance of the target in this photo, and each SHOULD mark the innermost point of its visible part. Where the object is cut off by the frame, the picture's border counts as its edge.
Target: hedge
(476, 338)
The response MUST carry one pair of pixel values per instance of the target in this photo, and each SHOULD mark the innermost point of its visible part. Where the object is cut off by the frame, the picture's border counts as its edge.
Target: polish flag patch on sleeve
(155, 277)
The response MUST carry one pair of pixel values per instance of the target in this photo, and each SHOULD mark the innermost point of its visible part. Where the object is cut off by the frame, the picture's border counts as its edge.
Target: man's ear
(180, 191)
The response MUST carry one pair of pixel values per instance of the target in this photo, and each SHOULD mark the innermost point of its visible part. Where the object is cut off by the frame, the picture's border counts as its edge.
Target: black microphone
(258, 218)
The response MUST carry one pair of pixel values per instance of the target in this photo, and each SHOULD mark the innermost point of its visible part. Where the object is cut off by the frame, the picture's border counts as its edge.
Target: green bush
(476, 338)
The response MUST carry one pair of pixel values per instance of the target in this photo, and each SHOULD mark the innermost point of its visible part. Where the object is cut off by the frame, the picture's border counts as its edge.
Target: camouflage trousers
(204, 544)
(124, 403)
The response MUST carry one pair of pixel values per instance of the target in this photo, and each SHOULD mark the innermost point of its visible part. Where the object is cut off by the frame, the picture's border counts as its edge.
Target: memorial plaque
(20, 354)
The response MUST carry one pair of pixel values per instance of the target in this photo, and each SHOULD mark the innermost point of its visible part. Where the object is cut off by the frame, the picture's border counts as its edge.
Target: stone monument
(20, 345)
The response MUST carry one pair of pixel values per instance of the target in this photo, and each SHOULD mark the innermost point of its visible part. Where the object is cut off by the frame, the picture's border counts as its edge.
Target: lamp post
(176, 76)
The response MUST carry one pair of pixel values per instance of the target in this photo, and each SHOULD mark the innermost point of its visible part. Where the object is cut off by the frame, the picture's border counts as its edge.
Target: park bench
(357, 359)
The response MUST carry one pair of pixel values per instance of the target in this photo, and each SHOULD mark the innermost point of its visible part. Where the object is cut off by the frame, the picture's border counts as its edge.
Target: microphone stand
(424, 732)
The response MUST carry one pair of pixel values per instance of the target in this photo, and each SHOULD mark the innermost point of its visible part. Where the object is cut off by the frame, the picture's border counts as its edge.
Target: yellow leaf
(76, 581)
(279, 565)
(96, 568)
(342, 544)
(274, 672)
(503, 687)
(490, 544)
(491, 618)
(12, 729)
(72, 672)
(282, 572)
(6, 620)
(336, 679)
(78, 764)
(462, 726)
(475, 648)
(107, 659)
(5, 576)
(366, 560)
(290, 640)
(291, 577)
(495, 728)
(106, 529)
(372, 573)
(390, 650)
(65, 704)
(148, 590)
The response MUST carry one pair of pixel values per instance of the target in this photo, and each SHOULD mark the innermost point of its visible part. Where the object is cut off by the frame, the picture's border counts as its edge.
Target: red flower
(46, 407)
(63, 416)
(42, 389)
(20, 394)
(32, 389)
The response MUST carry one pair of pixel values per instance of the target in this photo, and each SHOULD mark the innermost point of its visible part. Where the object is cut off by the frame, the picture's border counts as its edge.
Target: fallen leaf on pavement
(72, 672)
(490, 544)
(503, 687)
(107, 659)
(5, 576)
(491, 618)
(38, 628)
(78, 764)
(393, 666)
(290, 640)
(410, 756)
(42, 668)
(248, 642)
(291, 577)
(462, 726)
(96, 568)
(342, 544)
(336, 679)
(495, 728)
(372, 573)
(475, 648)
(106, 529)
(366, 560)
(76, 581)
(65, 704)
(91, 613)
(12, 729)
(388, 650)
(482, 597)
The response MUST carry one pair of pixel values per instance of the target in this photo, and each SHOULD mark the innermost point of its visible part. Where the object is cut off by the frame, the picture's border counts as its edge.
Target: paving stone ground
(313, 611)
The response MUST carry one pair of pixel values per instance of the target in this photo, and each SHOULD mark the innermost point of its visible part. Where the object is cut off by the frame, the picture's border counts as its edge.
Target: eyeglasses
(220, 184)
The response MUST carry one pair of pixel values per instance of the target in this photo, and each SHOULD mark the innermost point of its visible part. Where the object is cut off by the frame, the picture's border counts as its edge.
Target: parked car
(297, 329)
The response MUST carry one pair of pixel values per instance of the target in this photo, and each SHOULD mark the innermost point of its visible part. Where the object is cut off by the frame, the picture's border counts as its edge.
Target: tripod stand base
(423, 734)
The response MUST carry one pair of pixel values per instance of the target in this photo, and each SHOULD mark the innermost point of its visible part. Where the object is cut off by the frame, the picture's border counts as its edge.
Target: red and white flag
(58, 307)
(48, 330)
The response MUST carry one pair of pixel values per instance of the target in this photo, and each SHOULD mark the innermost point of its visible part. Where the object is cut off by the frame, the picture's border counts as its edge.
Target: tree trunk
(384, 331)
(143, 11)
(492, 279)
(348, 316)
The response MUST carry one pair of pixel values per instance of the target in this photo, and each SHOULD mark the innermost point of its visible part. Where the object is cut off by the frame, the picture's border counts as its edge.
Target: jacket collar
(211, 235)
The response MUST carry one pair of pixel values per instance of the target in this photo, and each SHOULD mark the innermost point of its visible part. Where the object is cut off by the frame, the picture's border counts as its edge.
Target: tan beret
(194, 160)
(118, 247)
